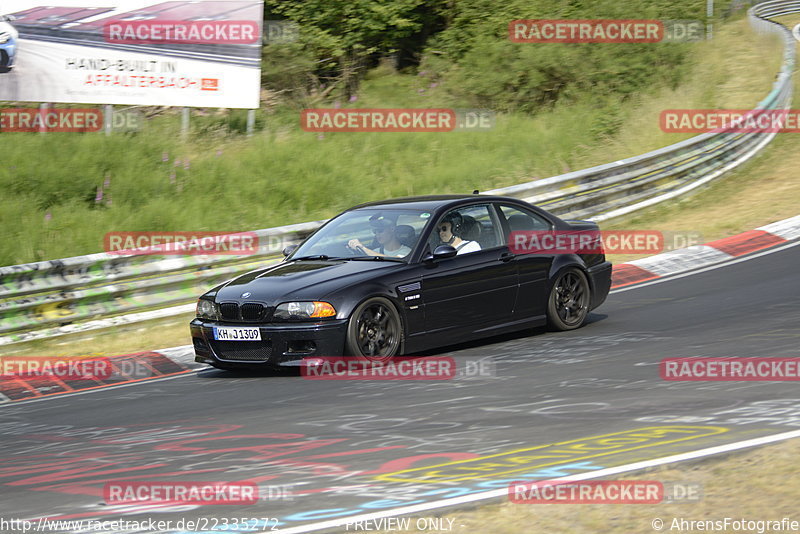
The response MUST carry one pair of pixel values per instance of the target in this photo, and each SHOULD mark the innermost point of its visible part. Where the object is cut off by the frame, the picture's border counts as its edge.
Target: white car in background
(8, 42)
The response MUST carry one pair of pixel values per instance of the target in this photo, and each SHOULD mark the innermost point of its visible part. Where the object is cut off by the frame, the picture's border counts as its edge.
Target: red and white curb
(127, 369)
(690, 258)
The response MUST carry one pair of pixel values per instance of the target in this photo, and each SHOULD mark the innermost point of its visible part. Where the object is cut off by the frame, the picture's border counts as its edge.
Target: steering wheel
(358, 251)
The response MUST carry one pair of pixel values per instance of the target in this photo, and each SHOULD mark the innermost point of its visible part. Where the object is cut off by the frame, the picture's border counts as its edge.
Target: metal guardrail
(43, 294)
(46, 298)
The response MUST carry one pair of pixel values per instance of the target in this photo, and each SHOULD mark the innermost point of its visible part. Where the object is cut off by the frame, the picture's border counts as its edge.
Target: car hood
(299, 280)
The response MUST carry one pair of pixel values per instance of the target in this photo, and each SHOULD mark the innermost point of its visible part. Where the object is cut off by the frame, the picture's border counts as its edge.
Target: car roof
(430, 202)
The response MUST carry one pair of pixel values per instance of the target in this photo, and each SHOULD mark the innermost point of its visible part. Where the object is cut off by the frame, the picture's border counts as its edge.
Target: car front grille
(251, 351)
(229, 311)
(250, 312)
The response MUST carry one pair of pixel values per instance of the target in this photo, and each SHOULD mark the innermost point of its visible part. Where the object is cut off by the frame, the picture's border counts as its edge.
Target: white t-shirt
(399, 252)
(468, 246)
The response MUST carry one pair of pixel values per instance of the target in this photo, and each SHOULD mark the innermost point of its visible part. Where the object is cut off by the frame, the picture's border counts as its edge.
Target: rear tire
(375, 331)
(568, 303)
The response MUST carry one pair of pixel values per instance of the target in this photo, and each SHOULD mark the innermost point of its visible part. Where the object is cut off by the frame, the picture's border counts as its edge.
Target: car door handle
(507, 256)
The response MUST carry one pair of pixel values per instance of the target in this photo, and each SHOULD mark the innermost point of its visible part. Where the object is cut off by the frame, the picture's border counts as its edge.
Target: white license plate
(236, 333)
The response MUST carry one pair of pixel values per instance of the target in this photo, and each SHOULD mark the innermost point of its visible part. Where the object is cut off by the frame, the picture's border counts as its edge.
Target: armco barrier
(51, 293)
(53, 297)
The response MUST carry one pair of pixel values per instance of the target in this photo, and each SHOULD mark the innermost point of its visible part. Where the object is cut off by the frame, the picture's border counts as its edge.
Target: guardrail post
(43, 107)
(709, 16)
(108, 117)
(251, 121)
(185, 122)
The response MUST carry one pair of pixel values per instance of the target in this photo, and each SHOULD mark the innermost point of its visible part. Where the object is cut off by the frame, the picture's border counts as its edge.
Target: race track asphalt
(333, 449)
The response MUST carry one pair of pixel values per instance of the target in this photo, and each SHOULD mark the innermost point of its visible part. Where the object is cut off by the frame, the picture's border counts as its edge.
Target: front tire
(375, 332)
(568, 303)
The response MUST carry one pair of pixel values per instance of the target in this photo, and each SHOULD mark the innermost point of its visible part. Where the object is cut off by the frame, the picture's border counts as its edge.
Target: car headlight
(304, 310)
(4, 37)
(207, 309)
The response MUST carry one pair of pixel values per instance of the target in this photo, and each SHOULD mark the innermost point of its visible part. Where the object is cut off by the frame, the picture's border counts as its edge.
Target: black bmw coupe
(400, 276)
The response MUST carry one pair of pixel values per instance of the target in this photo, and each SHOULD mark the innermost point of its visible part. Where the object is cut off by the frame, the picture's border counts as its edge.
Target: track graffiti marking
(550, 455)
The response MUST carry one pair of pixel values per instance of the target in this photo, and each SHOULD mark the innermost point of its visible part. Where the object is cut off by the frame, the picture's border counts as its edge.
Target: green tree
(344, 34)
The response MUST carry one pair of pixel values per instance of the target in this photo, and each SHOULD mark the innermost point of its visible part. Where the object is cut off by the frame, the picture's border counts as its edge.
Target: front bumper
(281, 345)
(8, 52)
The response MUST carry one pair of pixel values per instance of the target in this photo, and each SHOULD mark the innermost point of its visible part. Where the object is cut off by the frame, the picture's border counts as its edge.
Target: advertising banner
(200, 53)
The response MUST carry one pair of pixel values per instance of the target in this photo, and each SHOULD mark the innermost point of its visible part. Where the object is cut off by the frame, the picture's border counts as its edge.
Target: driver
(384, 230)
(450, 231)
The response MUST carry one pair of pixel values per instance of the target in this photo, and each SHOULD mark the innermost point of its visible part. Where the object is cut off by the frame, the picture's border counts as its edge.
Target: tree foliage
(345, 34)
(464, 45)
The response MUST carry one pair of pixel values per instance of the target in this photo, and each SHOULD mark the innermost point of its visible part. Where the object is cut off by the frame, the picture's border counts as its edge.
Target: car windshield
(366, 233)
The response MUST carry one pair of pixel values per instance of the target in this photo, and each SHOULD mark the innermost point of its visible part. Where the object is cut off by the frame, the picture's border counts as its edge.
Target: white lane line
(725, 263)
(493, 494)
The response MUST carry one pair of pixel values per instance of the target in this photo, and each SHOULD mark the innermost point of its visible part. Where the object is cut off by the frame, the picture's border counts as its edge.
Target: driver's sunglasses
(377, 231)
(444, 228)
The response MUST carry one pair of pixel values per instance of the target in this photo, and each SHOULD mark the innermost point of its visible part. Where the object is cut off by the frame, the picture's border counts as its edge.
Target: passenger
(450, 231)
(385, 235)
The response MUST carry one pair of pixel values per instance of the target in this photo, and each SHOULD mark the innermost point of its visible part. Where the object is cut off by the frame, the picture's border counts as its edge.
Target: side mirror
(289, 249)
(441, 252)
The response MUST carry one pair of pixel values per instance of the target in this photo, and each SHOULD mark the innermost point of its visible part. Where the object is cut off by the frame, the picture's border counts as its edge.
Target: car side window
(468, 229)
(523, 220)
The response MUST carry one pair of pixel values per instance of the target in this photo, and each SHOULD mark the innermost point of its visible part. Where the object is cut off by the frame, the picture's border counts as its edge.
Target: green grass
(283, 175)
